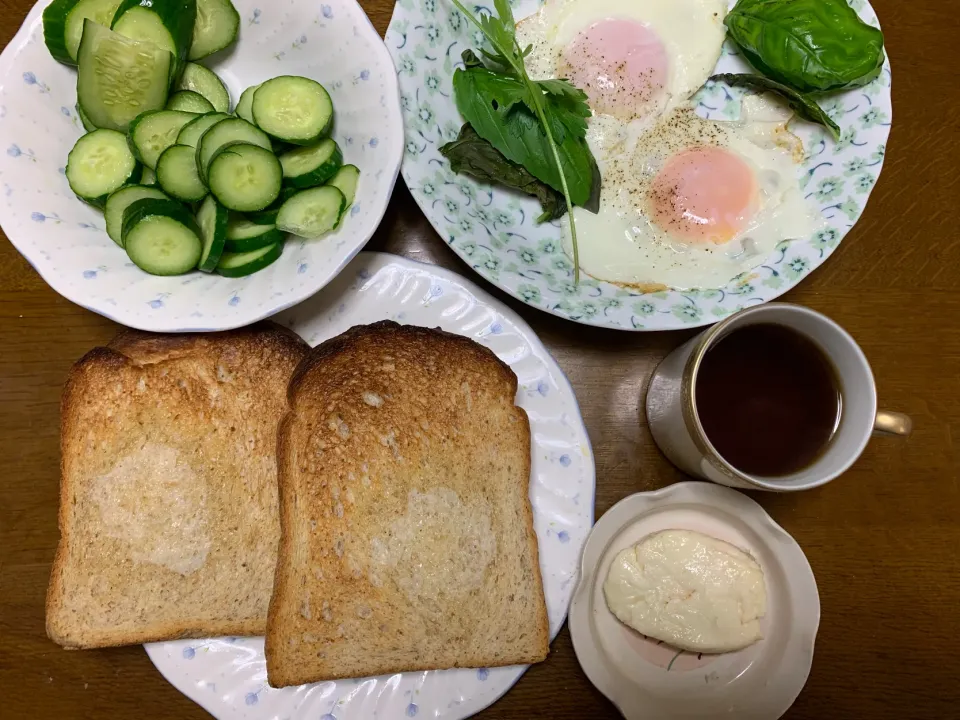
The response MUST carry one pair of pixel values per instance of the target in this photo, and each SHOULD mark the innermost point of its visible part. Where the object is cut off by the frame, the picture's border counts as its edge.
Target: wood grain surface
(883, 540)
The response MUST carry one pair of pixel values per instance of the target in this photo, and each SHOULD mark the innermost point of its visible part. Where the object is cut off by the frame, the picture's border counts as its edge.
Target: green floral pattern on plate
(494, 231)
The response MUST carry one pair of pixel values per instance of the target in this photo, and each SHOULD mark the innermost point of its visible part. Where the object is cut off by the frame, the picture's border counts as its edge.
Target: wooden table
(883, 540)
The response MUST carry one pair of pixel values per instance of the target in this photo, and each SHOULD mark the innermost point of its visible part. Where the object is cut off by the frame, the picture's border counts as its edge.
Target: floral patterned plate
(64, 239)
(494, 231)
(228, 677)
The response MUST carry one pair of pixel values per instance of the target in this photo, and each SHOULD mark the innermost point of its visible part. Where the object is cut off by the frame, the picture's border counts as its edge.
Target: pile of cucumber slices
(183, 183)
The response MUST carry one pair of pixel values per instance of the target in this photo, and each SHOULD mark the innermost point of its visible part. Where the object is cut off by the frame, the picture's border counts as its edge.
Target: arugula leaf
(498, 108)
(805, 107)
(508, 56)
(470, 154)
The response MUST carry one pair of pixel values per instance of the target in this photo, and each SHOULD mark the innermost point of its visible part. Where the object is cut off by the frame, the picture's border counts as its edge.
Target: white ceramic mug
(676, 427)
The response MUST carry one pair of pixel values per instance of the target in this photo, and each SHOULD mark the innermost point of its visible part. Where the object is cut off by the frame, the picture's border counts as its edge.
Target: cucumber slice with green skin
(177, 174)
(120, 201)
(119, 78)
(168, 24)
(161, 237)
(269, 216)
(189, 101)
(217, 26)
(153, 132)
(227, 131)
(312, 213)
(193, 130)
(212, 217)
(63, 24)
(148, 177)
(84, 120)
(100, 163)
(294, 109)
(244, 177)
(345, 181)
(245, 104)
(311, 166)
(206, 83)
(244, 236)
(241, 264)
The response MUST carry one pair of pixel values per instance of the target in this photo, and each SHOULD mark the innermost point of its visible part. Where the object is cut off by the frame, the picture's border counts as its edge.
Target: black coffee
(768, 399)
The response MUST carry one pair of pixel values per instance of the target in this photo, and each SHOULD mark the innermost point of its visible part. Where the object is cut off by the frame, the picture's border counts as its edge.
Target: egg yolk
(704, 195)
(620, 64)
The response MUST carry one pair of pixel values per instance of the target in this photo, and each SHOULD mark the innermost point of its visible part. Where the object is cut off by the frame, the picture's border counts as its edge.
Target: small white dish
(64, 239)
(647, 680)
(228, 676)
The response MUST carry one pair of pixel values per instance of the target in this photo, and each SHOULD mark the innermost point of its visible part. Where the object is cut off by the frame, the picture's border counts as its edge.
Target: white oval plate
(647, 680)
(228, 677)
(494, 231)
(64, 238)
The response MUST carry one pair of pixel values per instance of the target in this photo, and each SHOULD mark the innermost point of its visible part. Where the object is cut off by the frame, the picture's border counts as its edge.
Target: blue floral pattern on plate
(373, 287)
(494, 230)
(61, 237)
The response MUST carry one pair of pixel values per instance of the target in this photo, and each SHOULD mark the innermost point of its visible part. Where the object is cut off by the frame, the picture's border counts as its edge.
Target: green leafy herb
(472, 155)
(810, 45)
(539, 125)
(801, 104)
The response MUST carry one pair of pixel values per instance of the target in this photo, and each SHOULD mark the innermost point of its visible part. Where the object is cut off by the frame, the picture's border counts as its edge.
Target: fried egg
(697, 202)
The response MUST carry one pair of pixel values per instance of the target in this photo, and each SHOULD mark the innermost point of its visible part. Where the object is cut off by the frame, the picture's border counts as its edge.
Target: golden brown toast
(407, 538)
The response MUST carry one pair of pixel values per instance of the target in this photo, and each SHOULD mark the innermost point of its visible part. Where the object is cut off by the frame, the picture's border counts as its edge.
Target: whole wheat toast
(168, 494)
(407, 538)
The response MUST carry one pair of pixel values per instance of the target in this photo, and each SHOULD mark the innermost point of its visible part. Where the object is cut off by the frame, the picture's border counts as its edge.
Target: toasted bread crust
(104, 382)
(418, 366)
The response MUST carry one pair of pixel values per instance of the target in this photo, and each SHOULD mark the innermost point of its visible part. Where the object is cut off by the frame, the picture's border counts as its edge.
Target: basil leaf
(470, 154)
(499, 108)
(811, 45)
(803, 106)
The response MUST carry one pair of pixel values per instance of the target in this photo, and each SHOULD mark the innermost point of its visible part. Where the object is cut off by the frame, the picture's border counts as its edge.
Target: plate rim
(685, 492)
(536, 345)
(264, 310)
(599, 319)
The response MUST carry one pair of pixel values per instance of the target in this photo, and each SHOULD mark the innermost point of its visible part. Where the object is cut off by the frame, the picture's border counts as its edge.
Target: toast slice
(407, 538)
(168, 497)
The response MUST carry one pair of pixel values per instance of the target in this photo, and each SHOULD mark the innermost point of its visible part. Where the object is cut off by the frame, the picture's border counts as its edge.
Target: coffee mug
(677, 430)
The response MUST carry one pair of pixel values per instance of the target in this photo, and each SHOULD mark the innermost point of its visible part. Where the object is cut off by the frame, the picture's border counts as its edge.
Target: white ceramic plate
(228, 676)
(64, 239)
(647, 680)
(494, 231)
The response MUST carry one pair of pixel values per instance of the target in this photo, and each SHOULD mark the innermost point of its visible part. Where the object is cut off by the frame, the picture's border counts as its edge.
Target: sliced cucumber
(269, 216)
(63, 24)
(206, 83)
(119, 201)
(177, 174)
(244, 177)
(241, 264)
(148, 177)
(227, 131)
(346, 181)
(245, 104)
(84, 120)
(311, 166)
(293, 109)
(193, 130)
(189, 101)
(212, 218)
(312, 213)
(119, 78)
(153, 132)
(161, 237)
(217, 26)
(168, 24)
(244, 236)
(100, 163)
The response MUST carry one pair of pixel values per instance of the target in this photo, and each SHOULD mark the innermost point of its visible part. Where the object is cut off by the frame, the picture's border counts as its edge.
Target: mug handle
(892, 423)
